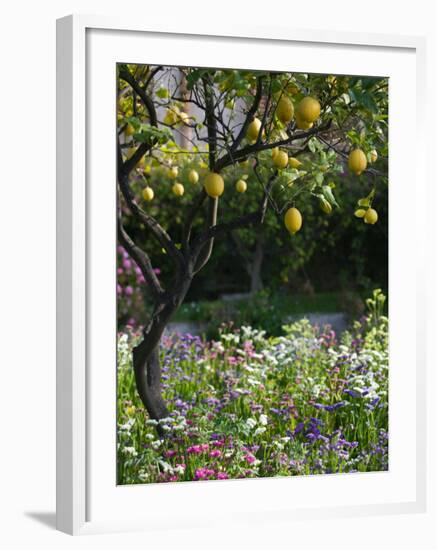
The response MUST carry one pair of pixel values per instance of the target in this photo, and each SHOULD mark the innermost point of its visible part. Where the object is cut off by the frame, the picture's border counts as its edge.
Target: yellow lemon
(301, 123)
(148, 194)
(309, 109)
(173, 172)
(293, 220)
(241, 186)
(371, 216)
(178, 189)
(193, 177)
(281, 159)
(285, 110)
(129, 130)
(275, 151)
(357, 161)
(214, 184)
(373, 155)
(294, 163)
(253, 129)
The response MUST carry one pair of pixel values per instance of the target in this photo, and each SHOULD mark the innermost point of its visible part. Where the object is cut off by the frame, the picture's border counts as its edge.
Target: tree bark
(146, 362)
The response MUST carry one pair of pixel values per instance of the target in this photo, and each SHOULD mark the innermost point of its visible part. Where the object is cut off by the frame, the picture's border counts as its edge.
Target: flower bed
(251, 406)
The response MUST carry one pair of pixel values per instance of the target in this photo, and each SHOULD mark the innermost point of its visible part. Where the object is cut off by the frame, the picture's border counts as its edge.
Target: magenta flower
(128, 290)
(215, 453)
(249, 458)
(222, 475)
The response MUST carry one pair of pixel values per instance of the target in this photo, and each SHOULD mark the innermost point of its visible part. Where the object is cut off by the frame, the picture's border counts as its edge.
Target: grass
(252, 405)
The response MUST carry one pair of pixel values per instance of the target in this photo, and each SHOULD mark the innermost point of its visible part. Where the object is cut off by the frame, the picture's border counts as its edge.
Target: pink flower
(194, 450)
(127, 264)
(222, 475)
(249, 458)
(128, 290)
(170, 453)
(203, 473)
(215, 453)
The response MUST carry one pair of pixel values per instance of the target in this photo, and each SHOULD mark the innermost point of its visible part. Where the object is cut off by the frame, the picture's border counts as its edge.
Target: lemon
(373, 155)
(293, 220)
(275, 151)
(173, 172)
(357, 161)
(178, 189)
(241, 186)
(129, 130)
(294, 163)
(371, 216)
(281, 159)
(253, 129)
(301, 123)
(193, 177)
(360, 213)
(309, 109)
(285, 110)
(214, 184)
(148, 194)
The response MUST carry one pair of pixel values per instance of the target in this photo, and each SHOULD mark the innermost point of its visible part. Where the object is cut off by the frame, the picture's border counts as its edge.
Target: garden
(252, 274)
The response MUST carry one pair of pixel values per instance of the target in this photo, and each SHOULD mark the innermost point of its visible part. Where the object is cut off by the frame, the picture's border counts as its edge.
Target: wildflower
(215, 453)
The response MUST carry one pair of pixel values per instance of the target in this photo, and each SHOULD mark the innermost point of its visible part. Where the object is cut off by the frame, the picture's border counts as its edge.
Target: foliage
(248, 405)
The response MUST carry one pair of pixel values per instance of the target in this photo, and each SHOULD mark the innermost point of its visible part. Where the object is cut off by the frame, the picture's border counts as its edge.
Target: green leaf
(329, 195)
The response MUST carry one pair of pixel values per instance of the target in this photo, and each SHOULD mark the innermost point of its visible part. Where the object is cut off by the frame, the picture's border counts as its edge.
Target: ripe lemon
(193, 177)
(275, 151)
(285, 110)
(293, 220)
(214, 184)
(178, 189)
(301, 123)
(294, 163)
(173, 172)
(373, 155)
(281, 159)
(148, 194)
(371, 216)
(309, 109)
(129, 130)
(253, 129)
(241, 186)
(357, 161)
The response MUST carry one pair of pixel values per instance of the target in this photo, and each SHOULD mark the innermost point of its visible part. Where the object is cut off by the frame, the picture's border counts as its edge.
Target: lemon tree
(279, 142)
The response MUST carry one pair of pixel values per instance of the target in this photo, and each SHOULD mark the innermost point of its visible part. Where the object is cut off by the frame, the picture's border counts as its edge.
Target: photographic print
(252, 274)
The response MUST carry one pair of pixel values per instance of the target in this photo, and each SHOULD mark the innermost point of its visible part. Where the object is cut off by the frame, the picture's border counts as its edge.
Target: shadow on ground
(45, 518)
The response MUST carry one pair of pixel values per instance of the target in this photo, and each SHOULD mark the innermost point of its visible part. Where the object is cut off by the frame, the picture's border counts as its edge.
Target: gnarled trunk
(146, 362)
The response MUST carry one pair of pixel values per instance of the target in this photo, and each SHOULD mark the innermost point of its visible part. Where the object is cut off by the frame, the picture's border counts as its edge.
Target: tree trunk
(146, 362)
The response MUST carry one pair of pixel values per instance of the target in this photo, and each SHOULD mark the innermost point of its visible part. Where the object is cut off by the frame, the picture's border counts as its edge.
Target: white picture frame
(77, 490)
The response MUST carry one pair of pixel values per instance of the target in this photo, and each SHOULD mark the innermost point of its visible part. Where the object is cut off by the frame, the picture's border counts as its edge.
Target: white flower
(251, 423)
(263, 420)
(260, 430)
(130, 450)
(156, 444)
